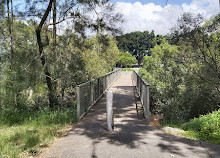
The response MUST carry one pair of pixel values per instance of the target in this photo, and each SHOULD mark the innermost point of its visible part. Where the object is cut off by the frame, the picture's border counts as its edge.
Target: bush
(206, 127)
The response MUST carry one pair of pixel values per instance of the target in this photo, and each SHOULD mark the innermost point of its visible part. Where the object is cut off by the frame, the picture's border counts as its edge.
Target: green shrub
(206, 127)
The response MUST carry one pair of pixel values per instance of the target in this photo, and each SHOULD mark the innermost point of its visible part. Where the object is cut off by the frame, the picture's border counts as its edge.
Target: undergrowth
(205, 128)
(23, 133)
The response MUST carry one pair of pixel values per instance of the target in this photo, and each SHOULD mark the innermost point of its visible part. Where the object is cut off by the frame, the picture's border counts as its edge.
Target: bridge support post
(109, 110)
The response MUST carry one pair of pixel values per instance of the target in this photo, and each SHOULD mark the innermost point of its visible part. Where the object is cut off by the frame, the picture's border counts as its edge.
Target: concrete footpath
(131, 138)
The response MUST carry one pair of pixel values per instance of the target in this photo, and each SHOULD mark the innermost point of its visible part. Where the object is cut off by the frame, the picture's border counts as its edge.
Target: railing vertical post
(104, 83)
(98, 87)
(136, 78)
(78, 102)
(148, 104)
(107, 81)
(91, 93)
(143, 93)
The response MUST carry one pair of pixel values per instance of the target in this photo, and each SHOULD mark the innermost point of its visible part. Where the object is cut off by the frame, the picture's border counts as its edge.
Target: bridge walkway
(131, 138)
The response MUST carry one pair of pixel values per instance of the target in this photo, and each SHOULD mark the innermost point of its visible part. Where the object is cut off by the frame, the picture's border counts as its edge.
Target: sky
(148, 15)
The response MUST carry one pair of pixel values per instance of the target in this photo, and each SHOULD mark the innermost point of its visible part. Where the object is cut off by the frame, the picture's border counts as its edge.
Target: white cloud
(142, 17)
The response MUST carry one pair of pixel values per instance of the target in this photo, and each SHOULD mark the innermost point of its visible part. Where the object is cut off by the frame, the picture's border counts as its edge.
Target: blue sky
(157, 2)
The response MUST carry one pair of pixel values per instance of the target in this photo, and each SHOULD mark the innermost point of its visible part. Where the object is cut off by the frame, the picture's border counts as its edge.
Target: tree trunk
(51, 94)
(54, 23)
(11, 93)
(10, 22)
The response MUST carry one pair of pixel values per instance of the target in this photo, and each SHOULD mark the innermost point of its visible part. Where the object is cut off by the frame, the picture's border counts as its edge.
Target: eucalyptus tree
(84, 15)
(199, 44)
(200, 39)
(10, 24)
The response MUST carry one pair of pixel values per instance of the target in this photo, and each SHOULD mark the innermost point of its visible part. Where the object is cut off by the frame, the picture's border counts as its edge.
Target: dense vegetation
(184, 72)
(23, 84)
(205, 128)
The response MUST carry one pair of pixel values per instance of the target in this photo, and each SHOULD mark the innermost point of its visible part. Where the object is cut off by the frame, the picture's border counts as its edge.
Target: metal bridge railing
(90, 92)
(142, 88)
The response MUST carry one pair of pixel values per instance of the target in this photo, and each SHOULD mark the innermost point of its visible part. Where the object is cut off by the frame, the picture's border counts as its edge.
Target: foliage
(206, 127)
(138, 43)
(184, 78)
(85, 16)
(23, 75)
(99, 57)
(74, 61)
(126, 60)
(164, 74)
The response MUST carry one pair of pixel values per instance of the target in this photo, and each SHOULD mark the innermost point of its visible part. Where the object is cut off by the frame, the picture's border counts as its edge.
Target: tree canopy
(138, 43)
(126, 60)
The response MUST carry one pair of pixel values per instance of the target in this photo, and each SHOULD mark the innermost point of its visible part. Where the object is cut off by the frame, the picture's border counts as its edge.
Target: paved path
(132, 138)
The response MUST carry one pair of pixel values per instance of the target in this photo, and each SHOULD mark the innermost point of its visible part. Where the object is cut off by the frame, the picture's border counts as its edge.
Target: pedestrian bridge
(90, 92)
(132, 137)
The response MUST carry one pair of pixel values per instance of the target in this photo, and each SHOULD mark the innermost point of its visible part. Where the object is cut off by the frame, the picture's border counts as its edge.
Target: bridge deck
(131, 137)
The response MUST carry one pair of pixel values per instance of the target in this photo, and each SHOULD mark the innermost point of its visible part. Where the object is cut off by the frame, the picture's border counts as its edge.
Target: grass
(23, 133)
(205, 128)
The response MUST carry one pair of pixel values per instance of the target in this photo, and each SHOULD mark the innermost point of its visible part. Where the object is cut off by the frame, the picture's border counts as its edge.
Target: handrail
(97, 78)
(141, 78)
(142, 88)
(90, 92)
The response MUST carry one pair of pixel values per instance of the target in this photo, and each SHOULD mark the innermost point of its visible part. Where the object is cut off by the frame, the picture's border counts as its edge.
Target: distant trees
(138, 43)
(126, 60)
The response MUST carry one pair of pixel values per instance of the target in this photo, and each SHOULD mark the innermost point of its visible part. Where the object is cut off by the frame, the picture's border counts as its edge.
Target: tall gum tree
(78, 12)
(42, 57)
